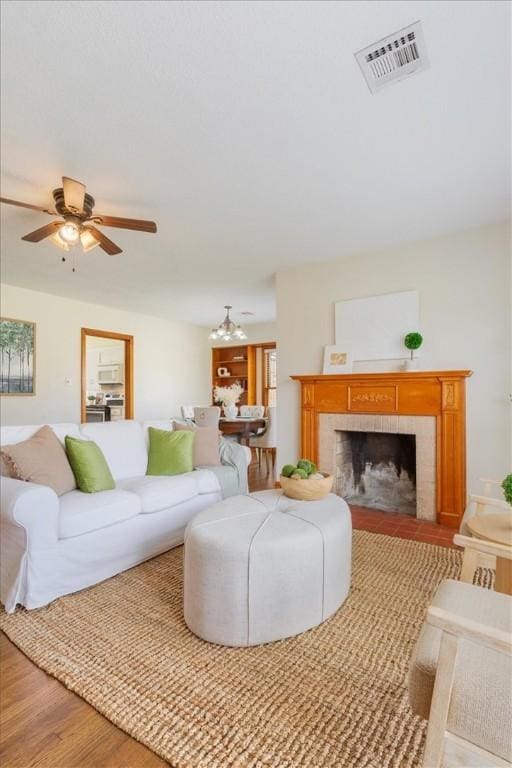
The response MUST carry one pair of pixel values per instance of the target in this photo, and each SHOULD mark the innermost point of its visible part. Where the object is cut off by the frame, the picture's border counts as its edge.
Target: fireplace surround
(434, 400)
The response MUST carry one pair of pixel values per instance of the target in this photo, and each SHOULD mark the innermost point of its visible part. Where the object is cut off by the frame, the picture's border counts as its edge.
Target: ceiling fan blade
(42, 232)
(105, 243)
(74, 194)
(116, 221)
(27, 205)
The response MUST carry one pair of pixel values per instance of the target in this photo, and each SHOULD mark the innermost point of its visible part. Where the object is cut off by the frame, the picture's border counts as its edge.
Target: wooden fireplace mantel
(413, 393)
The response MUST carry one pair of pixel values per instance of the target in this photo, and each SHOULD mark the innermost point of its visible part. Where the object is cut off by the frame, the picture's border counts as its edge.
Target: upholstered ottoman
(263, 567)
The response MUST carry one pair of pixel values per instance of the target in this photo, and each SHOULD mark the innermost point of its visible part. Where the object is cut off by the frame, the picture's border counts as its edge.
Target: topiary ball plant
(507, 489)
(413, 341)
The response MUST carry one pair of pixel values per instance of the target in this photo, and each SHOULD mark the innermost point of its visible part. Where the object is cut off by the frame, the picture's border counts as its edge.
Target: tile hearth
(401, 526)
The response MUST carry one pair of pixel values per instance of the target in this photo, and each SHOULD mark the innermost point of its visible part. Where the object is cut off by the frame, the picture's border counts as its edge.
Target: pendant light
(227, 330)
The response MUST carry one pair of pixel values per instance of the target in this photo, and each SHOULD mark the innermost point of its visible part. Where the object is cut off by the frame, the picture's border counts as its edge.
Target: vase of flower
(229, 397)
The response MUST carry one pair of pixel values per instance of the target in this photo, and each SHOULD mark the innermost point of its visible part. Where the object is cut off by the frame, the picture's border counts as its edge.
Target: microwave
(110, 374)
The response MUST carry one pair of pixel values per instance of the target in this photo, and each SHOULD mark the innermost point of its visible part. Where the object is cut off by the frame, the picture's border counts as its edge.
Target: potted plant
(229, 397)
(507, 489)
(91, 399)
(412, 341)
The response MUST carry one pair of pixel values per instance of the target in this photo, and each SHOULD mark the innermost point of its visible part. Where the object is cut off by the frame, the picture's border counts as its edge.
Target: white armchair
(460, 677)
(484, 504)
(480, 505)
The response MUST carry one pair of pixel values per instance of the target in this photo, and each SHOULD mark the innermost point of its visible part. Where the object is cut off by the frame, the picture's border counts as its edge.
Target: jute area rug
(334, 696)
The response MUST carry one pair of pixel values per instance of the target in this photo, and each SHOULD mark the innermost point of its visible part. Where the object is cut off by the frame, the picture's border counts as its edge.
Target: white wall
(465, 306)
(171, 360)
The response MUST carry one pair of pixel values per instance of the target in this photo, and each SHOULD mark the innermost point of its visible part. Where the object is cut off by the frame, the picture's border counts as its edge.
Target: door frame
(263, 347)
(128, 368)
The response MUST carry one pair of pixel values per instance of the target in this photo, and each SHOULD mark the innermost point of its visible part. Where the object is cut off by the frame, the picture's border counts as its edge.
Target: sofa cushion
(157, 424)
(89, 465)
(207, 479)
(41, 459)
(157, 492)
(170, 453)
(206, 451)
(84, 512)
(480, 674)
(122, 444)
(12, 435)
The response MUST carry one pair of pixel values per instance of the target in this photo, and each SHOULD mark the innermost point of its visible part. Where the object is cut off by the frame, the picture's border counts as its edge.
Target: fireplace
(377, 469)
(427, 404)
(401, 452)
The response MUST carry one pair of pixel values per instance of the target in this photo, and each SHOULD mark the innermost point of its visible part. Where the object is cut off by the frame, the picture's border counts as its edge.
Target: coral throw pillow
(206, 444)
(40, 459)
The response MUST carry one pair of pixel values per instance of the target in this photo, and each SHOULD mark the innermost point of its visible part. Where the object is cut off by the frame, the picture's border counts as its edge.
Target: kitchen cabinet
(95, 413)
(111, 356)
(116, 412)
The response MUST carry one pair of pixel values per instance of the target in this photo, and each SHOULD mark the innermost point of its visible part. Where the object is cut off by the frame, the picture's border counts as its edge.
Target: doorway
(265, 373)
(107, 376)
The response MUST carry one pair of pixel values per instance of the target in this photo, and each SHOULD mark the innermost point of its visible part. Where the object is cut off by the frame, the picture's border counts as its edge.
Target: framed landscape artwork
(17, 357)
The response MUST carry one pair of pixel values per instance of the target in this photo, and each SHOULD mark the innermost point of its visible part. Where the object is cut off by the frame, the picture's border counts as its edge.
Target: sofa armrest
(29, 521)
(33, 510)
(234, 452)
(234, 455)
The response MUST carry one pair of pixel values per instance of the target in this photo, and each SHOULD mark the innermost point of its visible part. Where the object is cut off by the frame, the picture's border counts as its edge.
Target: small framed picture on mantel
(337, 359)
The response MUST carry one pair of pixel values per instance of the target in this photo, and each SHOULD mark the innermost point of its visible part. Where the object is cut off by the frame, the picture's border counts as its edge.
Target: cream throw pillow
(206, 444)
(41, 459)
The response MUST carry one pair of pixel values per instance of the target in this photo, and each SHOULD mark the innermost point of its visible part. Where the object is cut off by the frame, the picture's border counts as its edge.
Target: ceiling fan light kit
(227, 330)
(88, 240)
(70, 233)
(77, 225)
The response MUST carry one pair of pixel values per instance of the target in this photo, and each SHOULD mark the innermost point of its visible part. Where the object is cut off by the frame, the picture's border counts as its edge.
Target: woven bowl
(306, 490)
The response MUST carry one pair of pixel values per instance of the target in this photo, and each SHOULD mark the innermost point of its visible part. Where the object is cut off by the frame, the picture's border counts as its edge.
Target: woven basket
(306, 490)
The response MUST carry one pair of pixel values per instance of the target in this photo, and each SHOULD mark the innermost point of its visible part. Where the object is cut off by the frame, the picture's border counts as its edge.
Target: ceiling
(247, 132)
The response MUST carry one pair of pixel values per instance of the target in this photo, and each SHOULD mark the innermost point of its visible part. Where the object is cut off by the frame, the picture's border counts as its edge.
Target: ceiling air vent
(394, 57)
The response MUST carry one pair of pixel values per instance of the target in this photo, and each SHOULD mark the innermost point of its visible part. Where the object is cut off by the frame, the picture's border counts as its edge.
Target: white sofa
(51, 546)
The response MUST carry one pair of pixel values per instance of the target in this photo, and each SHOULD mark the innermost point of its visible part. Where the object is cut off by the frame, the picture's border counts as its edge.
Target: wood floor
(43, 725)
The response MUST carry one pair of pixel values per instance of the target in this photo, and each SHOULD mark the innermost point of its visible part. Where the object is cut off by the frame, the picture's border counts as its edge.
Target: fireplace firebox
(377, 469)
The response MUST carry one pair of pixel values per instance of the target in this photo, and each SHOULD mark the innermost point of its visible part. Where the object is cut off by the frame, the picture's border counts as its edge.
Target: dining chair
(208, 416)
(187, 411)
(266, 441)
(252, 411)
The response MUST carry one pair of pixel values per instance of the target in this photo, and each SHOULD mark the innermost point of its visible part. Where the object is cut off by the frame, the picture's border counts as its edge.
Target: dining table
(243, 427)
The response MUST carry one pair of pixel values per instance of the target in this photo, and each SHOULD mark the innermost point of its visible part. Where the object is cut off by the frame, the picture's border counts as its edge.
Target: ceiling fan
(78, 220)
